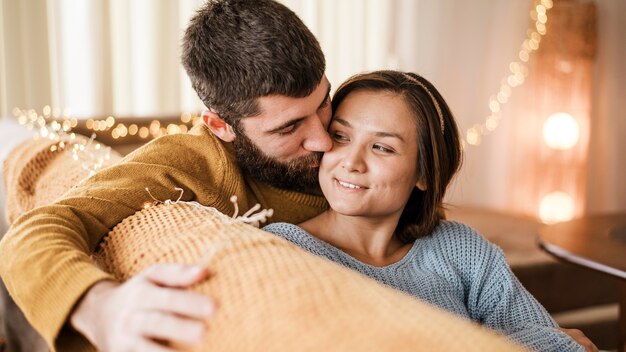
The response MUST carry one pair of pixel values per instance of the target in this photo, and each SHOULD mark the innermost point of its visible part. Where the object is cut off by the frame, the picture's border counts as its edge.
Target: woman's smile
(349, 186)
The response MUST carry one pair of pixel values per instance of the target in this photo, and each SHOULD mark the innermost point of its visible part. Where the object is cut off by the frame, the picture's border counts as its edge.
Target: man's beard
(294, 175)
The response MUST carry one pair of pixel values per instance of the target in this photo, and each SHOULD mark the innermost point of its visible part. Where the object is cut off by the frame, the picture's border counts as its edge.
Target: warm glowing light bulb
(123, 131)
(556, 207)
(561, 131)
(22, 119)
(144, 132)
(523, 55)
(491, 123)
(542, 18)
(473, 137)
(110, 121)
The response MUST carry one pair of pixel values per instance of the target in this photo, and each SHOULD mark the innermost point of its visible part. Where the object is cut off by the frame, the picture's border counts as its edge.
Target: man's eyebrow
(326, 97)
(378, 133)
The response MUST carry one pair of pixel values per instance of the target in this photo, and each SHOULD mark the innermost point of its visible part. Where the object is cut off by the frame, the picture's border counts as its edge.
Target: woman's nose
(352, 160)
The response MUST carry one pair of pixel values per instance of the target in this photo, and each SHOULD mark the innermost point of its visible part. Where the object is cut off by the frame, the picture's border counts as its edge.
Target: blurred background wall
(121, 58)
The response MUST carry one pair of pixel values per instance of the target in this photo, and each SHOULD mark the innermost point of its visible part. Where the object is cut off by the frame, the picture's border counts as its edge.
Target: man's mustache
(304, 162)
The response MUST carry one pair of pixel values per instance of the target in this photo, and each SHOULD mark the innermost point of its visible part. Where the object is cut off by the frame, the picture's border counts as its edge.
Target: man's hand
(581, 339)
(148, 308)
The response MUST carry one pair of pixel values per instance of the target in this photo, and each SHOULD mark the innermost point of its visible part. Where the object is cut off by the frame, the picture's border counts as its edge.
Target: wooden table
(597, 242)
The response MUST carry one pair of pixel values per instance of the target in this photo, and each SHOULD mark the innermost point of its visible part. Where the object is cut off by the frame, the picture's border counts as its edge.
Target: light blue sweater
(455, 268)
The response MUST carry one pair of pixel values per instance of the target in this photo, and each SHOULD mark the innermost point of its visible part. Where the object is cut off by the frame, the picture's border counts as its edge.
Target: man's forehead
(277, 109)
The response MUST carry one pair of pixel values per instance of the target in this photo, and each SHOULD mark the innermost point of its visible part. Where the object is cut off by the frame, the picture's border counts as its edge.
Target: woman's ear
(421, 185)
(218, 126)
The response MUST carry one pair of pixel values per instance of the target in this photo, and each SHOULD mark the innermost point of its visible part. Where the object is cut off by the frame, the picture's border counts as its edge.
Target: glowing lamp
(561, 131)
(556, 207)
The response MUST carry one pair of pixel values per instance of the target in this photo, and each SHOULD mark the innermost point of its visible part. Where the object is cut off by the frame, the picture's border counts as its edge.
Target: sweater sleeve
(498, 300)
(46, 255)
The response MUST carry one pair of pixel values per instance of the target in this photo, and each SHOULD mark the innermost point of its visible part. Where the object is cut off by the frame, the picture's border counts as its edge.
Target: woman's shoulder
(457, 232)
(460, 241)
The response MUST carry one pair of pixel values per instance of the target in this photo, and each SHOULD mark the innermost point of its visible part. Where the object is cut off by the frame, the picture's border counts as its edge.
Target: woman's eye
(382, 148)
(339, 137)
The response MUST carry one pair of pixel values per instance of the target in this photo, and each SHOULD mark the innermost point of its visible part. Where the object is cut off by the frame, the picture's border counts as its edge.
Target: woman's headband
(415, 80)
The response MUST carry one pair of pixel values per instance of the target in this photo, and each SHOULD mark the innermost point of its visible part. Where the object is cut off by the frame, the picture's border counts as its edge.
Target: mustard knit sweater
(46, 263)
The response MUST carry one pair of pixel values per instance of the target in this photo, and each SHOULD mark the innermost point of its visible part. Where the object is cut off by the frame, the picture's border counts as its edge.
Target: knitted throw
(273, 296)
(34, 175)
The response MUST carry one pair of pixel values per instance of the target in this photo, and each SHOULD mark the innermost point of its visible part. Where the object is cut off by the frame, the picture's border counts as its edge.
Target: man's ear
(421, 185)
(218, 126)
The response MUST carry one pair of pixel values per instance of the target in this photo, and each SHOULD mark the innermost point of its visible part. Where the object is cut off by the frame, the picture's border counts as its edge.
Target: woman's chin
(346, 208)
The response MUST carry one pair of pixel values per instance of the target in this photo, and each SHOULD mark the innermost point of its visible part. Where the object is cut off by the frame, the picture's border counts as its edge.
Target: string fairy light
(518, 73)
(57, 125)
(117, 130)
(154, 128)
(91, 155)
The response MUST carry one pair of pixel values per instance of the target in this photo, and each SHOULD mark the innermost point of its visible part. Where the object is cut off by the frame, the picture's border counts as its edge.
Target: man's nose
(317, 138)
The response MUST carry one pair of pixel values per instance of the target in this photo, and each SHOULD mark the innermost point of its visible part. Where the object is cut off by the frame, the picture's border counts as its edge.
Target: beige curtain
(24, 64)
(356, 35)
(120, 57)
(96, 57)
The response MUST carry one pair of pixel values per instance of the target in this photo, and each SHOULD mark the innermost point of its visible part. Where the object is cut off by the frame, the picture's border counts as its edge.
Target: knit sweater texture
(457, 269)
(46, 263)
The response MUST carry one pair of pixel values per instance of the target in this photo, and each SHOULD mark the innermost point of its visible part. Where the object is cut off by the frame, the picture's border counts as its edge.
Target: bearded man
(260, 73)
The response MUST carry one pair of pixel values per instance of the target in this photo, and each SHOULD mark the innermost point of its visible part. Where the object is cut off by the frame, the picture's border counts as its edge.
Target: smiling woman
(396, 147)
(372, 132)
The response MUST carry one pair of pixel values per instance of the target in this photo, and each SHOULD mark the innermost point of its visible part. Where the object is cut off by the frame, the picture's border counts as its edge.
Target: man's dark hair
(235, 51)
